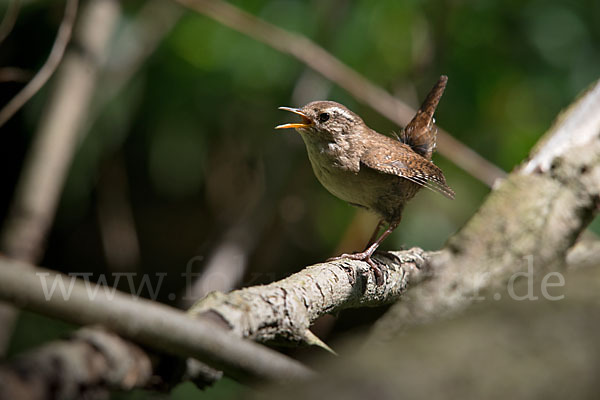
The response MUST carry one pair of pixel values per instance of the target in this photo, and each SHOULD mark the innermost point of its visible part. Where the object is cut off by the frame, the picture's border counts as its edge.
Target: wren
(368, 169)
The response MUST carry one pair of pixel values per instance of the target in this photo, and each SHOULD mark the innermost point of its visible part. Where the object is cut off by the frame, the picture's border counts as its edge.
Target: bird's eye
(323, 117)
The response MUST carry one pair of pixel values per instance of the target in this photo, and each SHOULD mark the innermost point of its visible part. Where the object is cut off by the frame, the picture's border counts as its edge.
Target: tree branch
(149, 323)
(280, 311)
(78, 368)
(283, 311)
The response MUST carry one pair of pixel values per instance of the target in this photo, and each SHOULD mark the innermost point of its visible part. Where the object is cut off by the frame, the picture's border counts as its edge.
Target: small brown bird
(368, 169)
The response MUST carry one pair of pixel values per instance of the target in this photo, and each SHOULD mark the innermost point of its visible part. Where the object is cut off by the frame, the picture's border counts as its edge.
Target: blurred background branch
(86, 365)
(10, 74)
(9, 19)
(55, 57)
(37, 194)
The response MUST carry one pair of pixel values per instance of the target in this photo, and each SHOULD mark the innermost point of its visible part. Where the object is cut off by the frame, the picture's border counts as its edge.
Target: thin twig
(8, 22)
(56, 55)
(12, 74)
(326, 64)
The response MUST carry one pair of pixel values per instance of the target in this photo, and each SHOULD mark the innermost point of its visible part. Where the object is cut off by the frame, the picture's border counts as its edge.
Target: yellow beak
(306, 122)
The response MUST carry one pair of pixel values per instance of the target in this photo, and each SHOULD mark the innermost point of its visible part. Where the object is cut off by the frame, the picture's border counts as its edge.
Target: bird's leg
(374, 235)
(366, 255)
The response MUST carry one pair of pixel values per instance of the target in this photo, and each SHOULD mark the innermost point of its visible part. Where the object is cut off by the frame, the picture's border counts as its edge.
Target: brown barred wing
(409, 165)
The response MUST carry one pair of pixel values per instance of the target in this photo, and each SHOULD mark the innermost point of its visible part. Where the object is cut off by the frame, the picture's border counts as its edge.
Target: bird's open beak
(306, 122)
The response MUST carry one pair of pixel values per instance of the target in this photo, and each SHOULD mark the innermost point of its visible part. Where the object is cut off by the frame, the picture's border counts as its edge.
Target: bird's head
(324, 119)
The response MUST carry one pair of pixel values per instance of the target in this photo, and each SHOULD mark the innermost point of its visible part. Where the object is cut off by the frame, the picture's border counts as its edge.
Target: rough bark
(284, 310)
(497, 350)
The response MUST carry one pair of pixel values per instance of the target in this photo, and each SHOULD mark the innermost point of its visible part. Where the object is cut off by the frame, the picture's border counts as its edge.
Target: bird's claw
(366, 257)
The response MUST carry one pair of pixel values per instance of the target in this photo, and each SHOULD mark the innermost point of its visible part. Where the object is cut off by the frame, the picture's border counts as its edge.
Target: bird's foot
(366, 257)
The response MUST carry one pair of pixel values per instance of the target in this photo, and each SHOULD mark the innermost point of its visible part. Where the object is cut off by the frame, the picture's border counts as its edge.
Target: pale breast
(359, 185)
